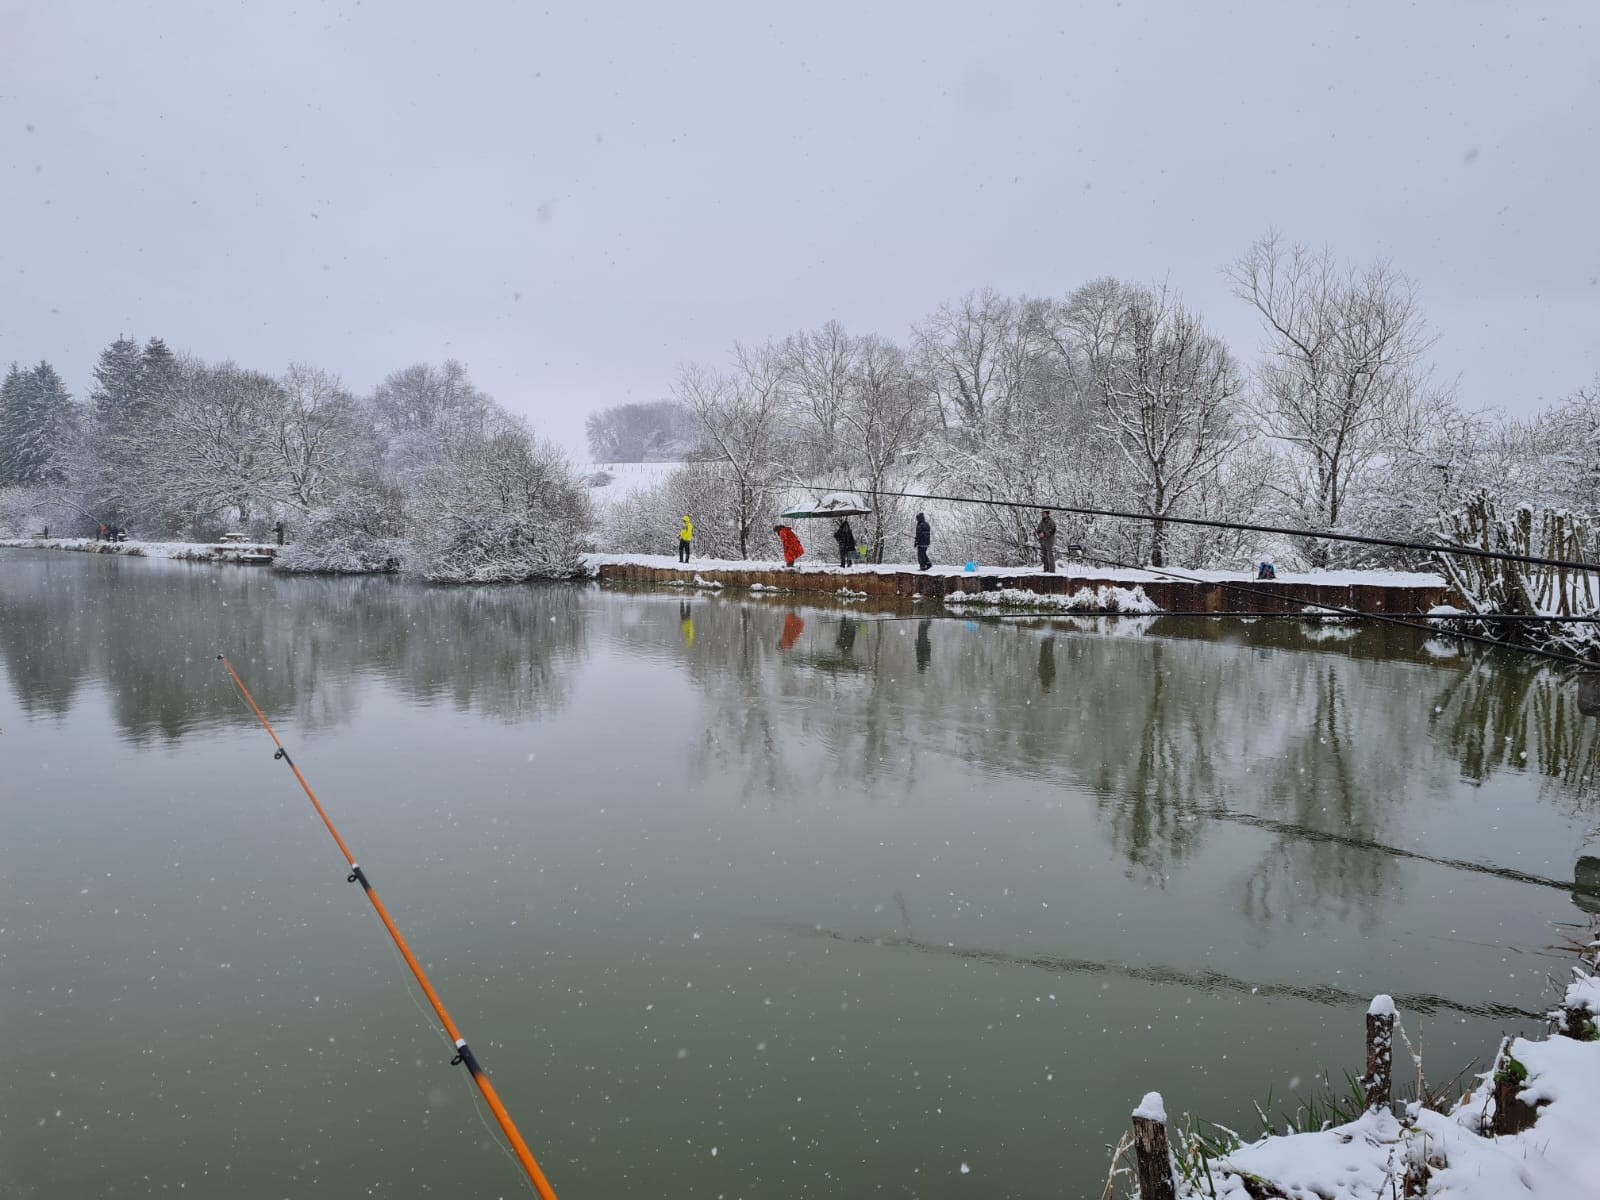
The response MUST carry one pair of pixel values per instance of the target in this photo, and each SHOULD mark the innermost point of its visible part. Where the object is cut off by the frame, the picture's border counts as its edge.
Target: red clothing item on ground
(792, 549)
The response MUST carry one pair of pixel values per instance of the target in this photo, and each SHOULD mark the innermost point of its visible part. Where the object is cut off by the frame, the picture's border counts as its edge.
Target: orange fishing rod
(357, 875)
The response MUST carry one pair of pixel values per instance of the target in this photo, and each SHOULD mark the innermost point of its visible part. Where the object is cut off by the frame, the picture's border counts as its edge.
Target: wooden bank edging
(1168, 595)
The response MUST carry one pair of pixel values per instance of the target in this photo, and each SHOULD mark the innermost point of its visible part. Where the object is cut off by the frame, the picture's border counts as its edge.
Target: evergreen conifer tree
(37, 425)
(158, 371)
(116, 394)
(13, 417)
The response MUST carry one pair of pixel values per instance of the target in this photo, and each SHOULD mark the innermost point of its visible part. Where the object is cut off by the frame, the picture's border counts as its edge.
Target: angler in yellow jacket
(685, 536)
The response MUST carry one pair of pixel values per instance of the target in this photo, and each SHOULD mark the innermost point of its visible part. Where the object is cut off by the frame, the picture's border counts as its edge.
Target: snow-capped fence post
(1511, 1113)
(1153, 1155)
(1580, 1010)
(1376, 1084)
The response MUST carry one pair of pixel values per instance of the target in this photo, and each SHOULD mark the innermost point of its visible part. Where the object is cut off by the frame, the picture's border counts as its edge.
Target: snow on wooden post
(1151, 1150)
(1512, 1114)
(1582, 1006)
(1376, 1084)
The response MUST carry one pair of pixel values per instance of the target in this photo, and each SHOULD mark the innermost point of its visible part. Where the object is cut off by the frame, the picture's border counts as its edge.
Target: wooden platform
(1168, 595)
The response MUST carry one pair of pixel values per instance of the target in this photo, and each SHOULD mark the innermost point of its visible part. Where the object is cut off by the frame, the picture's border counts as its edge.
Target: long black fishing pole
(1356, 538)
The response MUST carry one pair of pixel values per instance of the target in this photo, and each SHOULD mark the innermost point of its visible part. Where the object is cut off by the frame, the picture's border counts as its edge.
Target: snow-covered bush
(361, 535)
(500, 509)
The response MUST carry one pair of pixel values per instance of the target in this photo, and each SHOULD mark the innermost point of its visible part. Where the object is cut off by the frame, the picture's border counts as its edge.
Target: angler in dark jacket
(1045, 531)
(924, 540)
(846, 538)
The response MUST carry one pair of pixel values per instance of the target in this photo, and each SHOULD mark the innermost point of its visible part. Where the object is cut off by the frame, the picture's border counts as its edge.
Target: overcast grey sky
(575, 199)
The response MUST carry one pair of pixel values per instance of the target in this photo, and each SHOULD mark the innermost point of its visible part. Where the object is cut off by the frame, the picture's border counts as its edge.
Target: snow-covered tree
(887, 416)
(208, 452)
(38, 425)
(1341, 374)
(821, 365)
(1168, 392)
(317, 437)
(646, 521)
(118, 397)
(363, 534)
(130, 396)
(498, 509)
(653, 431)
(745, 419)
(981, 355)
(429, 399)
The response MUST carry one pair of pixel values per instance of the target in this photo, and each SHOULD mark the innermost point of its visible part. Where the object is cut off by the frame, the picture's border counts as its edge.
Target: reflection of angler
(793, 627)
(847, 636)
(463, 1053)
(686, 624)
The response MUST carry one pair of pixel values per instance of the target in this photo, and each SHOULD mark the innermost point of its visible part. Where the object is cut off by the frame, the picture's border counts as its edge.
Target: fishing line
(1386, 618)
(1434, 548)
(475, 1101)
(1335, 611)
(463, 1053)
(1356, 538)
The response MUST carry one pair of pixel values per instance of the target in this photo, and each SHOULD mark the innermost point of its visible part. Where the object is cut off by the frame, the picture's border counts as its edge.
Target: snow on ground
(1557, 1158)
(1098, 599)
(624, 479)
(206, 551)
(1079, 570)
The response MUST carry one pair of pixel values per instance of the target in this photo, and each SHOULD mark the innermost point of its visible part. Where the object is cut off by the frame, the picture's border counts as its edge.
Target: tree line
(1113, 395)
(1118, 395)
(427, 472)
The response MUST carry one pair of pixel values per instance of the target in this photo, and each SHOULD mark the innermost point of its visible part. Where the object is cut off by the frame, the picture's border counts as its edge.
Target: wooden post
(1151, 1150)
(1511, 1115)
(1376, 1084)
(1577, 1021)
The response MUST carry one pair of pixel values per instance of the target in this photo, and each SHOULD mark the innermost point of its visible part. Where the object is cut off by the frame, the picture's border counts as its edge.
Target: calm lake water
(732, 898)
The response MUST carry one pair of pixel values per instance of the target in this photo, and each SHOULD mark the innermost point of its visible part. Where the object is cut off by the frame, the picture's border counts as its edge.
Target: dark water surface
(732, 899)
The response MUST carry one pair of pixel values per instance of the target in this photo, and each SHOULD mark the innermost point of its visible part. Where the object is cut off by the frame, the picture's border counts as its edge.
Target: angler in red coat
(792, 549)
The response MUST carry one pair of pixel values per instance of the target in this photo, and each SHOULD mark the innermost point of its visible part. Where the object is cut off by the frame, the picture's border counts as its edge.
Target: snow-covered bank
(1125, 576)
(189, 551)
(1467, 1153)
(1100, 599)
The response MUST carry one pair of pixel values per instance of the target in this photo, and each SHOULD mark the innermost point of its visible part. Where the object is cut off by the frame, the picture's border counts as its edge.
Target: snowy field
(626, 479)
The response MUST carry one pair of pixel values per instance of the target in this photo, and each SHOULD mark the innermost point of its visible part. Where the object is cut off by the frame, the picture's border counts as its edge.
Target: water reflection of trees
(150, 632)
(1178, 731)
(1493, 719)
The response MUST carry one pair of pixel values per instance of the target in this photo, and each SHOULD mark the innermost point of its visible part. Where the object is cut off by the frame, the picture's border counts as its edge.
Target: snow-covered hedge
(489, 547)
(502, 510)
(359, 537)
